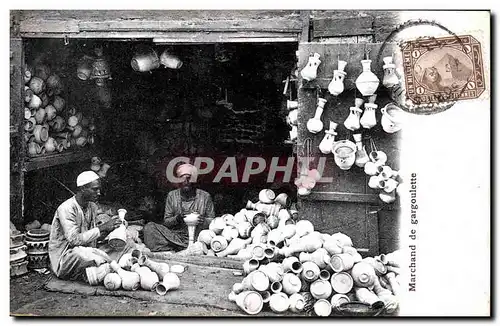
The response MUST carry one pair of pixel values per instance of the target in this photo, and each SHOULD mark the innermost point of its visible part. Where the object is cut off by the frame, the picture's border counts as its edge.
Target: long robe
(172, 234)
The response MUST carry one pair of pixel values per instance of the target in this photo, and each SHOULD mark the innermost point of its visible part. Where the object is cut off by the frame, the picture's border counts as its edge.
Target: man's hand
(110, 225)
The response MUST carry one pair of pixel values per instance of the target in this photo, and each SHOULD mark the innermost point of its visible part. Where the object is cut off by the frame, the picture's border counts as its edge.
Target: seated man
(74, 234)
(172, 234)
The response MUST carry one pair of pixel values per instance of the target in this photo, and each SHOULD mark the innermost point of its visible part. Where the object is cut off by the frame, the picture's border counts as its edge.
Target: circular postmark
(437, 71)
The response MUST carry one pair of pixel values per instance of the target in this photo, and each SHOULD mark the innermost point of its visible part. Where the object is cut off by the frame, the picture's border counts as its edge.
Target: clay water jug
(272, 221)
(291, 283)
(37, 85)
(57, 124)
(376, 182)
(234, 247)
(338, 299)
(324, 274)
(230, 233)
(378, 157)
(40, 115)
(229, 219)
(170, 61)
(336, 86)
(315, 125)
(250, 302)
(321, 289)
(363, 274)
(352, 121)
(149, 279)
(389, 185)
(309, 72)
(271, 253)
(145, 60)
(302, 228)
(28, 94)
(206, 236)
(284, 200)
(341, 262)
(275, 287)
(310, 271)
(217, 225)
(274, 271)
(267, 209)
(387, 197)
(127, 260)
(256, 280)
(390, 78)
(279, 302)
(367, 296)
(293, 133)
(95, 275)
(292, 264)
(368, 120)
(392, 118)
(29, 124)
(170, 282)
(159, 268)
(58, 103)
(218, 243)
(297, 303)
(274, 237)
(291, 105)
(332, 246)
(118, 237)
(326, 144)
(342, 282)
(258, 251)
(27, 73)
(50, 145)
(250, 265)
(361, 157)
(35, 102)
(191, 220)
(320, 257)
(391, 279)
(240, 217)
(378, 266)
(267, 196)
(344, 152)
(322, 308)
(292, 117)
(112, 281)
(367, 82)
(371, 168)
(33, 149)
(244, 229)
(130, 280)
(41, 133)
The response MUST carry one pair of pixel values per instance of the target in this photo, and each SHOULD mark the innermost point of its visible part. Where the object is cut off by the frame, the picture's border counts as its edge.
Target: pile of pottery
(235, 235)
(18, 256)
(49, 126)
(136, 271)
(37, 242)
(311, 272)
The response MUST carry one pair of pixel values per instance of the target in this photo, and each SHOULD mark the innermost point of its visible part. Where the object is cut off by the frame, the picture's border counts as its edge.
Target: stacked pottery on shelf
(49, 126)
(37, 243)
(18, 256)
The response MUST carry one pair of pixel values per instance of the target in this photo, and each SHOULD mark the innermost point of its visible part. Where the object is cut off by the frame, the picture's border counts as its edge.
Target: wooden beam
(343, 26)
(305, 17)
(41, 162)
(198, 260)
(342, 197)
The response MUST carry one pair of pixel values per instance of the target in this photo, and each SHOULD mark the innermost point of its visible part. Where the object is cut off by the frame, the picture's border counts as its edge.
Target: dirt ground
(29, 298)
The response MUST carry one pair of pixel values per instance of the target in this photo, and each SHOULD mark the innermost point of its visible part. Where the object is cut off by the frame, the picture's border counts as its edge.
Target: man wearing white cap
(172, 234)
(74, 233)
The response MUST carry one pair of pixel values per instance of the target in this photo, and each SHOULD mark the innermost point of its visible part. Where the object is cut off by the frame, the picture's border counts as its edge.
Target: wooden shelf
(35, 163)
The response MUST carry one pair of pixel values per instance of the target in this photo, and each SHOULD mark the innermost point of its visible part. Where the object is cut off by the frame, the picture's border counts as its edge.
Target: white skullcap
(187, 169)
(86, 177)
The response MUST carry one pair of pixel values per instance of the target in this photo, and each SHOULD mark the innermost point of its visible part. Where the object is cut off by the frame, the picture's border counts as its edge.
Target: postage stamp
(443, 69)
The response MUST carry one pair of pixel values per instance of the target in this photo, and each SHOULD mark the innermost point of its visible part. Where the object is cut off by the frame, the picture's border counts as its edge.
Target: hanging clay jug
(352, 121)
(389, 185)
(130, 280)
(367, 82)
(170, 282)
(327, 143)
(279, 302)
(310, 271)
(206, 236)
(297, 303)
(218, 243)
(315, 125)
(112, 281)
(391, 118)
(368, 120)
(292, 117)
(310, 71)
(344, 152)
(363, 274)
(336, 86)
(390, 78)
(387, 197)
(250, 302)
(321, 289)
(159, 268)
(145, 60)
(233, 247)
(371, 168)
(293, 133)
(267, 196)
(342, 282)
(169, 60)
(217, 225)
(322, 308)
(378, 157)
(361, 157)
(291, 283)
(376, 182)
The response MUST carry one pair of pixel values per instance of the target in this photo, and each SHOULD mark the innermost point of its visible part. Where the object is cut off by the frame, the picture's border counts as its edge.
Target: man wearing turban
(172, 234)
(73, 251)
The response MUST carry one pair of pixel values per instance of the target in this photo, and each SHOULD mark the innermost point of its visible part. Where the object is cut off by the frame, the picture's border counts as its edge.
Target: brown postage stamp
(443, 69)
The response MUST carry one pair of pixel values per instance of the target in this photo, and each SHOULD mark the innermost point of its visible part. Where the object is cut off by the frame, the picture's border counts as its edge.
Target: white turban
(86, 177)
(187, 169)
